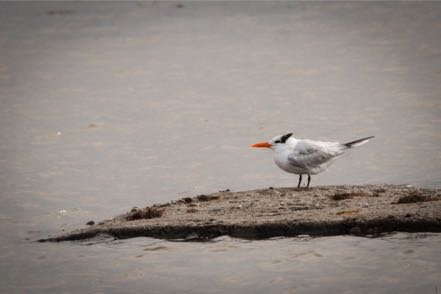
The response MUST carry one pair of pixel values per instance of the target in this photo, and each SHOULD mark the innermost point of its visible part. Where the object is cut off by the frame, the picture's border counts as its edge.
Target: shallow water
(401, 263)
(108, 106)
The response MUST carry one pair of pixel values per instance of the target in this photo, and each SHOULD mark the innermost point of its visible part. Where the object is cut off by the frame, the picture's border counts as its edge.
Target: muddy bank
(318, 211)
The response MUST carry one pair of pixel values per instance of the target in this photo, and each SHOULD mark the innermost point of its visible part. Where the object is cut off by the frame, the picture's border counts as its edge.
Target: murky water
(108, 106)
(402, 263)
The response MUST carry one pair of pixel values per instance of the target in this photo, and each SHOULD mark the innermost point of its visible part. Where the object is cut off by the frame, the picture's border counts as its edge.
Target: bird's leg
(309, 180)
(300, 181)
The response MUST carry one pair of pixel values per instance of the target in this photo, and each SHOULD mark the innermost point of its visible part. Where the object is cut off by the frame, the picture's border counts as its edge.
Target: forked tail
(358, 142)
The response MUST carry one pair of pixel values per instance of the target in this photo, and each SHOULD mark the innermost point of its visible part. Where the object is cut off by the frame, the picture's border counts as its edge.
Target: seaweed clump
(415, 197)
(342, 196)
(146, 213)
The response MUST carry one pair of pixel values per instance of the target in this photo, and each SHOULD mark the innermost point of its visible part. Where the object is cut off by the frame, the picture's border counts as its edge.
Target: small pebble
(192, 236)
(90, 223)
(304, 237)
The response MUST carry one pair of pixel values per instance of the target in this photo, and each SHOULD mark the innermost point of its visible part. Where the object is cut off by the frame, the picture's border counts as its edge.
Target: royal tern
(306, 157)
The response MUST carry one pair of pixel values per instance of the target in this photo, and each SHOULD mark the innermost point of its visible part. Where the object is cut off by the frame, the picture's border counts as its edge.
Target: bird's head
(276, 142)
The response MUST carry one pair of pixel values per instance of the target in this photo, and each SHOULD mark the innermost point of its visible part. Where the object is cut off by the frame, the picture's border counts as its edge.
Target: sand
(368, 210)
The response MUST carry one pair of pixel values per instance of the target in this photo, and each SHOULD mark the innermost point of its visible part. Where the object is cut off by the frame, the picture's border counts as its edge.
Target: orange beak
(262, 145)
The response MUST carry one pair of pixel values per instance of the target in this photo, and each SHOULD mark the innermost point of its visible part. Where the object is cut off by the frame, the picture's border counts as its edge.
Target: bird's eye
(278, 141)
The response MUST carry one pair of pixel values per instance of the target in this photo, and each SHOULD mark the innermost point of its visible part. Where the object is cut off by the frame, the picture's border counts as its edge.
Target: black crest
(285, 137)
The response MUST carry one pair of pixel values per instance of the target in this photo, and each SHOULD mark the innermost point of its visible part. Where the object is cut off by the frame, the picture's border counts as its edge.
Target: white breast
(281, 160)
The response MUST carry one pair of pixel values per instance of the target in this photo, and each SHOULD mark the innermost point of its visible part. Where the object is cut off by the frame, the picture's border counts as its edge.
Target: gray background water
(104, 106)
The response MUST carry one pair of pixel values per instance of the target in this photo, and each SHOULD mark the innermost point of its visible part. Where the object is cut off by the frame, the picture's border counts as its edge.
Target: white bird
(302, 156)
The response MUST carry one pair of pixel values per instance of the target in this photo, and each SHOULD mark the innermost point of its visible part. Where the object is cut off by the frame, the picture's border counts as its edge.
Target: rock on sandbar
(265, 213)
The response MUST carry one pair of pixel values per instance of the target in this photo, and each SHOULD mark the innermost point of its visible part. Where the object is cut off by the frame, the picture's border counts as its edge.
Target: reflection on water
(108, 106)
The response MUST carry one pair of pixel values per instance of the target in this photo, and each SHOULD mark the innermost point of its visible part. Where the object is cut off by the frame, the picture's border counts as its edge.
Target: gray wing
(307, 154)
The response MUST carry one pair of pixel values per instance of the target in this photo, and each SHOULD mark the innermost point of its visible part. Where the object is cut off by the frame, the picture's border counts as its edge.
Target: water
(402, 263)
(108, 106)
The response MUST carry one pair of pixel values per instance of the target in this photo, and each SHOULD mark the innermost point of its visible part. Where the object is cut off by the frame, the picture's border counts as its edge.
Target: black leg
(309, 180)
(300, 181)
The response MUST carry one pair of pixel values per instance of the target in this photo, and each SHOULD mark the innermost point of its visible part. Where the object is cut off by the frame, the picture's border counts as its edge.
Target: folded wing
(309, 154)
